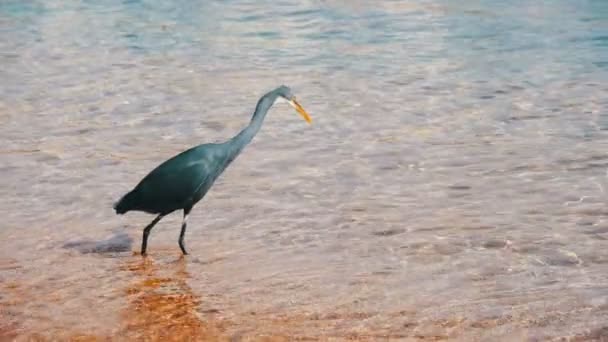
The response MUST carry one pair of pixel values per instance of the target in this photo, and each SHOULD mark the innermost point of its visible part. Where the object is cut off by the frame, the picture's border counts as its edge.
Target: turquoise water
(452, 185)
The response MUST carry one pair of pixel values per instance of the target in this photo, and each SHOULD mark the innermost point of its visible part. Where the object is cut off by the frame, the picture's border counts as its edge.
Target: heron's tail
(124, 204)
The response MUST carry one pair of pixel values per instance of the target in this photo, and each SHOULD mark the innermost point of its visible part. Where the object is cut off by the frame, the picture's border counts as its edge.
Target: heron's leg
(144, 241)
(183, 232)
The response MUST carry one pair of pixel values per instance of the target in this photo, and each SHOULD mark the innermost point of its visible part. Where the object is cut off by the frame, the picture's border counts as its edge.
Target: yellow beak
(300, 110)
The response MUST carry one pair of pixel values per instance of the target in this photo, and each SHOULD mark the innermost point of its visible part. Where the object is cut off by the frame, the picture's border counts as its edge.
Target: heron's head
(284, 95)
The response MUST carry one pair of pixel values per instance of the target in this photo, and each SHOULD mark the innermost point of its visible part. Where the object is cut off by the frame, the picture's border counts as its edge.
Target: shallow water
(452, 185)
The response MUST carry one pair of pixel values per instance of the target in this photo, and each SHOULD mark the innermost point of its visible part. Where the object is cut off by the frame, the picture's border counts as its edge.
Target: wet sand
(159, 305)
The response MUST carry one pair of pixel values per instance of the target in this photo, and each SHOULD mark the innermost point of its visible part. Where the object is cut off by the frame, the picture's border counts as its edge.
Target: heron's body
(183, 180)
(178, 183)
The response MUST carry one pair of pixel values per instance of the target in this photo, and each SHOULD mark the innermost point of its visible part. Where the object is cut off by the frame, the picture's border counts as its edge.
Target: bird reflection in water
(163, 308)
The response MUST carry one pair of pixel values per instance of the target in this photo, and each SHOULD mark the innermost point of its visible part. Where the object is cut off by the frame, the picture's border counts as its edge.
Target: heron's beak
(300, 110)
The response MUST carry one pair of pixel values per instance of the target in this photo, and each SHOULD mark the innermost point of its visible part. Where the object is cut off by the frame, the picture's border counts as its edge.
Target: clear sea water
(453, 184)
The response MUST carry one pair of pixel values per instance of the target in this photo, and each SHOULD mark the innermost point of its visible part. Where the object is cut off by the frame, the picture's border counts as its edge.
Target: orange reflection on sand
(163, 308)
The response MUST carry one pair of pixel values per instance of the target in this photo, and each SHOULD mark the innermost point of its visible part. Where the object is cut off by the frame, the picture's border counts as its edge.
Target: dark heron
(182, 181)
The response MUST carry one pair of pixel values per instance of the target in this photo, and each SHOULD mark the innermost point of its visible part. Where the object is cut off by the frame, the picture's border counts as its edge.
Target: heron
(180, 182)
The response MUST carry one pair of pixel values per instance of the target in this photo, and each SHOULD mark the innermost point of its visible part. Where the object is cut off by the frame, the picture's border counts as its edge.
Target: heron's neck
(247, 134)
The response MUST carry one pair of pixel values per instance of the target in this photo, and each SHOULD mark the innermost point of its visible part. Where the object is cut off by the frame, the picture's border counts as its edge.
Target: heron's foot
(182, 246)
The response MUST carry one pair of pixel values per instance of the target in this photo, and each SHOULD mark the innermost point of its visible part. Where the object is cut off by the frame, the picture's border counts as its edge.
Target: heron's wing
(178, 180)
